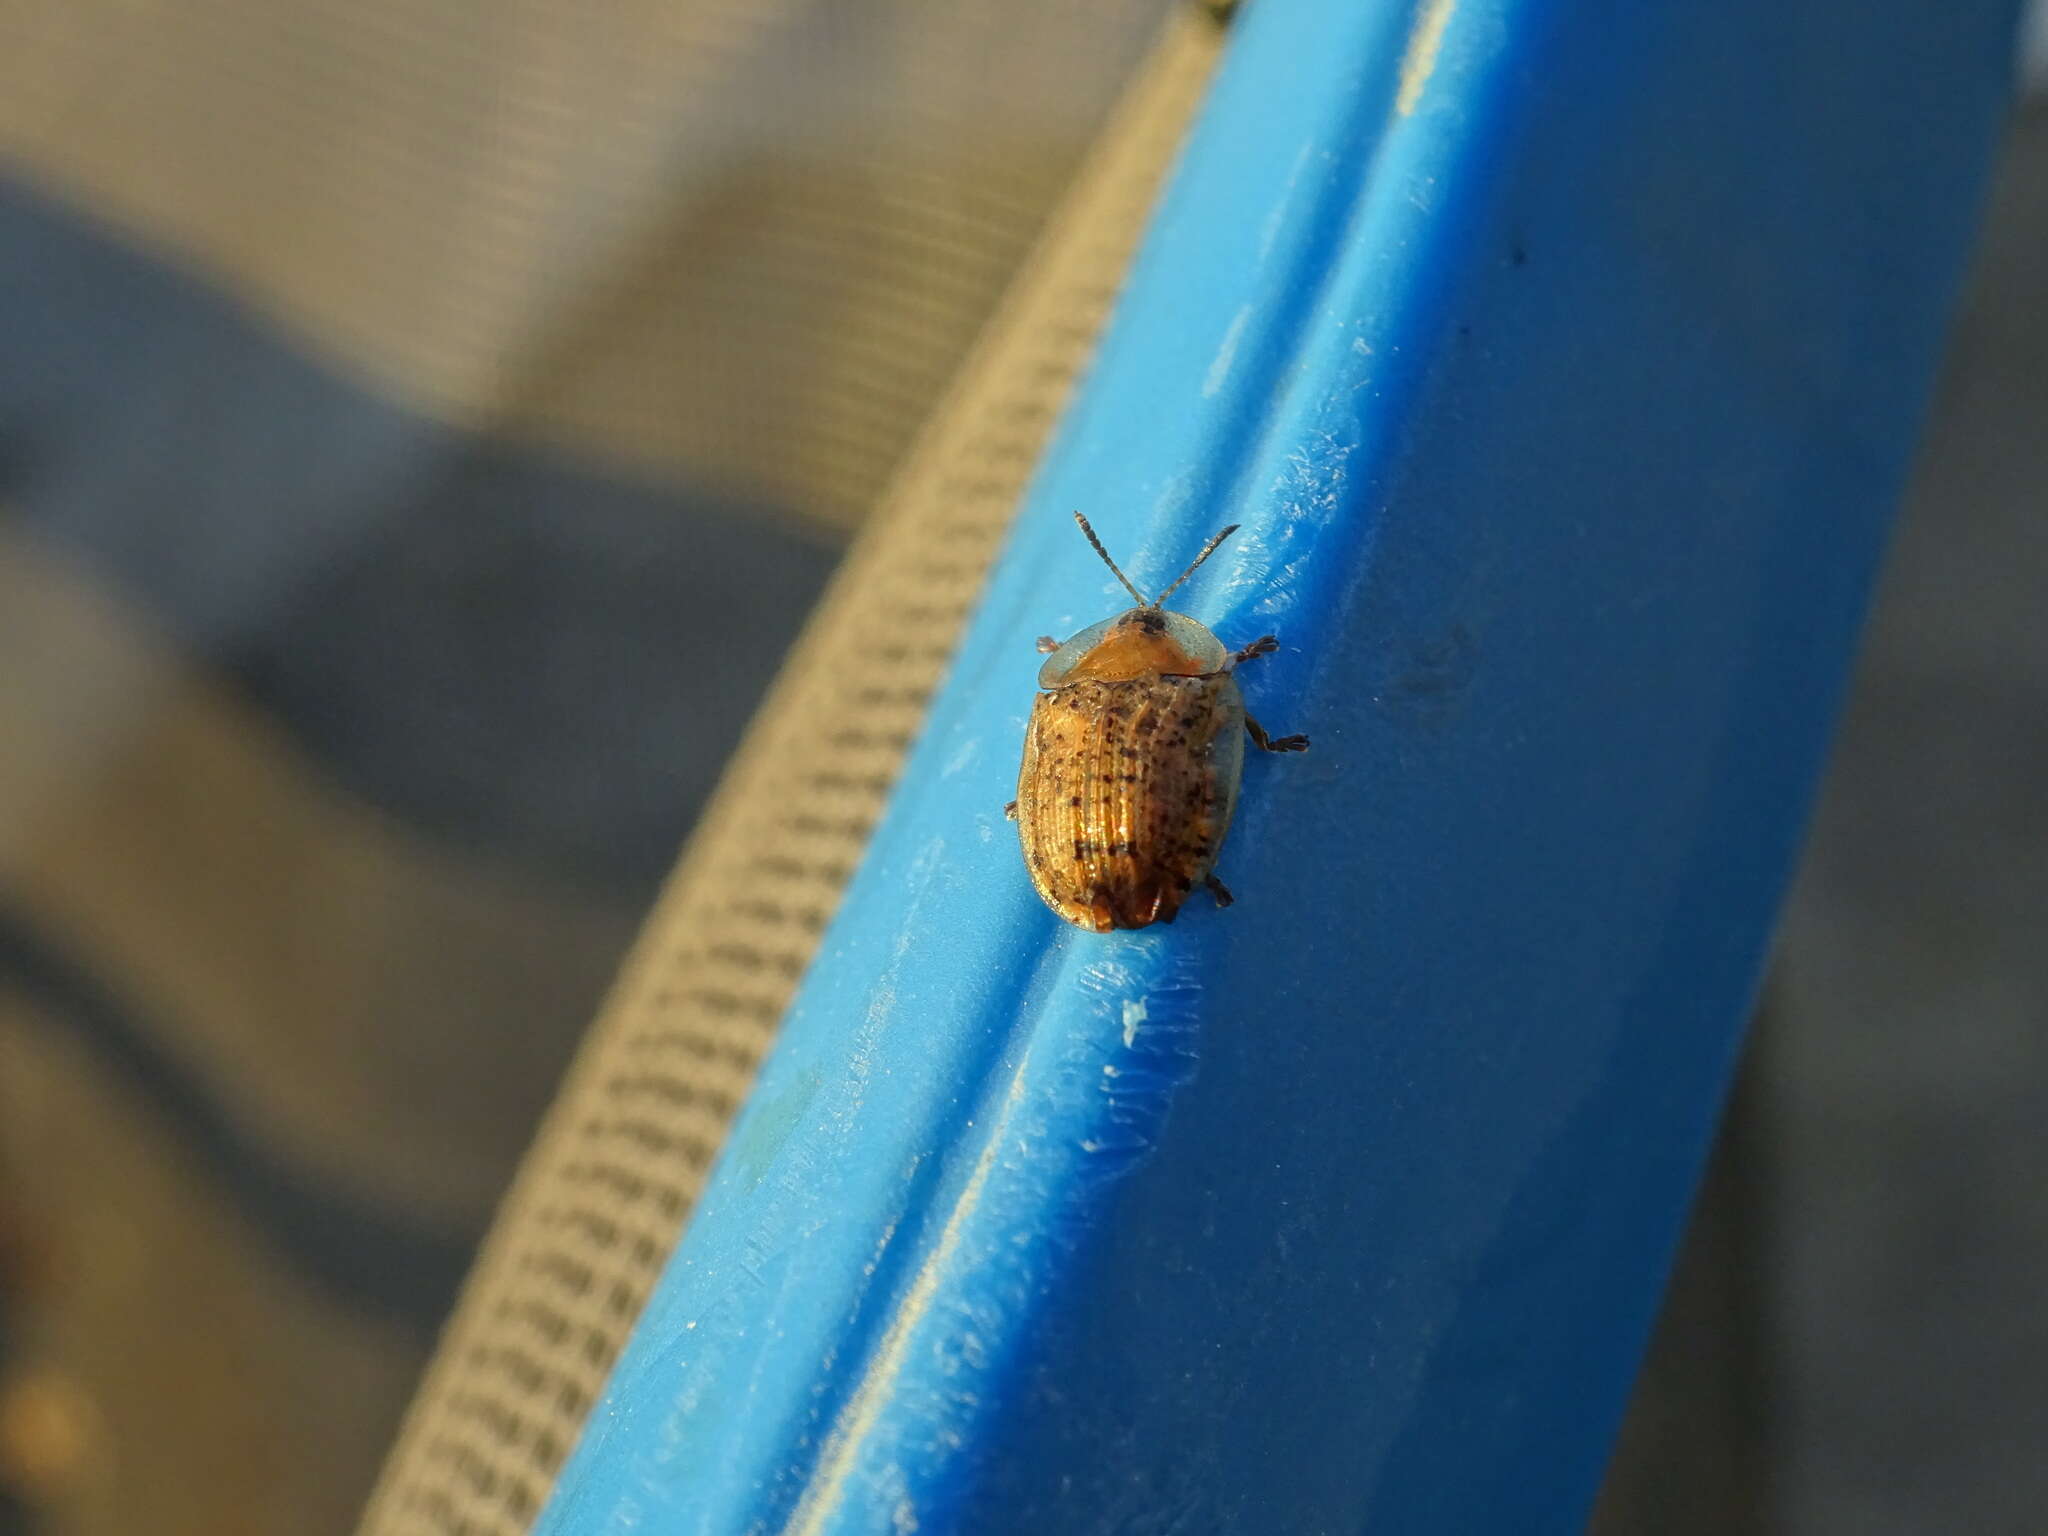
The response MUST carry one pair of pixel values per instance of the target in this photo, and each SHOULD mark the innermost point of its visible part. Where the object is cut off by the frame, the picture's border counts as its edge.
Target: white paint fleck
(1219, 370)
(1134, 1015)
(962, 759)
(1269, 233)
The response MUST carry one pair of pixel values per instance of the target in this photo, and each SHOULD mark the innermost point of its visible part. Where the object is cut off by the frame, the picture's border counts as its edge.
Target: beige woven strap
(624, 1152)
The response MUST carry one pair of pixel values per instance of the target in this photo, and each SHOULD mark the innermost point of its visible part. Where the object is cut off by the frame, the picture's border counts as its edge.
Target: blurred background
(424, 427)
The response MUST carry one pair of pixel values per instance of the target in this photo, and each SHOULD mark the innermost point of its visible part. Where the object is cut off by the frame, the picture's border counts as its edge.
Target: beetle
(1132, 759)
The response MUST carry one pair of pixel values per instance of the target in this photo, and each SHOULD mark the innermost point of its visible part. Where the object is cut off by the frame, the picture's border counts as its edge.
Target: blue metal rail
(1562, 362)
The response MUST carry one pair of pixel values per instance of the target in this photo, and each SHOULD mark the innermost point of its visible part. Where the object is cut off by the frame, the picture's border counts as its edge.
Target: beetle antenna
(1120, 576)
(1208, 549)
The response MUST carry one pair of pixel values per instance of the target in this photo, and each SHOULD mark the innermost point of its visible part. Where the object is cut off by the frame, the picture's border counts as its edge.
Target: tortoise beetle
(1132, 759)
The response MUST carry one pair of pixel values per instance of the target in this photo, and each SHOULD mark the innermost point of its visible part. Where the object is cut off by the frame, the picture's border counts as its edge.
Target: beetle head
(1145, 641)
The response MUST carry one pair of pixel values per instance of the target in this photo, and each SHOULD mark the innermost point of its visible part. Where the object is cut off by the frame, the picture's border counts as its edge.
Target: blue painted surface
(1564, 414)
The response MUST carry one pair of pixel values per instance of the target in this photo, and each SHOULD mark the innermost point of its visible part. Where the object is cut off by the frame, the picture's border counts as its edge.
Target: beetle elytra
(1132, 759)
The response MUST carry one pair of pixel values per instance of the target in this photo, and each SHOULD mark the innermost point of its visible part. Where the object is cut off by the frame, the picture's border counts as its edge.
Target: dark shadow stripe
(370, 1257)
(492, 642)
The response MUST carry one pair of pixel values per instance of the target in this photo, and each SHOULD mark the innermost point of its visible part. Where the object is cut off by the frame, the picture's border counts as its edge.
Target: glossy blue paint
(1562, 363)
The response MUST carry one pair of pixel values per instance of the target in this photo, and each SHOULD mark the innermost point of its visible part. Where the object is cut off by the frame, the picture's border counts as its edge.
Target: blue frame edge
(1563, 364)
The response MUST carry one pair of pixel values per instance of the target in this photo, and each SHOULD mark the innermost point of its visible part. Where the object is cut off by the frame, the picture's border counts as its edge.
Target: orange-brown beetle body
(1132, 761)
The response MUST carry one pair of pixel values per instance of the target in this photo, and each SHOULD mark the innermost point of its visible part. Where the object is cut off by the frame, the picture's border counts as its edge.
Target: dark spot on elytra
(1074, 800)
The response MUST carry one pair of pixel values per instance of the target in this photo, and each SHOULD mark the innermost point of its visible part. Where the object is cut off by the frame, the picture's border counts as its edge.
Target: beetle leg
(1271, 743)
(1010, 810)
(1219, 890)
(1265, 645)
(1047, 645)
